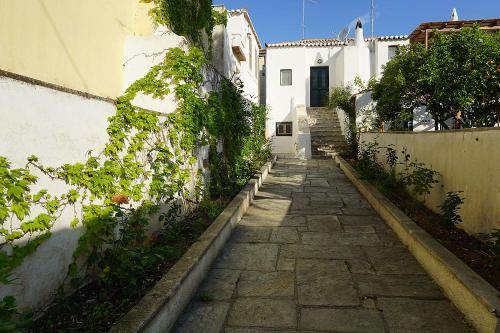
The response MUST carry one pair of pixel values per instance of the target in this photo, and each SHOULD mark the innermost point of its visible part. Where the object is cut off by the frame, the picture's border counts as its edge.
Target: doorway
(320, 83)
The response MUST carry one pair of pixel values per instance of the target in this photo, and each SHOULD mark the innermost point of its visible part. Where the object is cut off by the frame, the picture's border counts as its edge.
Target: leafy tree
(463, 71)
(457, 76)
(398, 91)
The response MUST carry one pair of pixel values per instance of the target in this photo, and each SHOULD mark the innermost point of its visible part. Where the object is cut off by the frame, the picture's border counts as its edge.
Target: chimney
(359, 39)
(454, 15)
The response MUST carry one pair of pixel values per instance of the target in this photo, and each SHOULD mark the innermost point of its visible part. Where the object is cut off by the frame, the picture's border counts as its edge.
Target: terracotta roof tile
(325, 42)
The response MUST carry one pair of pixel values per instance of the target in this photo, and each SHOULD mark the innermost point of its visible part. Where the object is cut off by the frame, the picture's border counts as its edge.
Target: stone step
(322, 115)
(325, 123)
(326, 131)
(327, 138)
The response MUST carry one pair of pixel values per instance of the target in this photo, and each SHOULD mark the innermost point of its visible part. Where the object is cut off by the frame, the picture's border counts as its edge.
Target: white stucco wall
(382, 53)
(59, 128)
(140, 54)
(239, 29)
(282, 100)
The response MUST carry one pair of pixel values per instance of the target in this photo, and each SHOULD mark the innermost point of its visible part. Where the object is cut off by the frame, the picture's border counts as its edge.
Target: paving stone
(323, 223)
(284, 190)
(342, 320)
(317, 189)
(359, 266)
(321, 252)
(273, 220)
(387, 236)
(346, 195)
(259, 330)
(358, 211)
(319, 249)
(340, 239)
(203, 317)
(284, 235)
(362, 229)
(396, 285)
(246, 234)
(315, 176)
(412, 315)
(219, 284)
(394, 260)
(329, 202)
(322, 182)
(273, 284)
(286, 264)
(317, 211)
(360, 220)
(356, 203)
(243, 256)
(259, 312)
(269, 206)
(273, 195)
(345, 189)
(325, 283)
(299, 203)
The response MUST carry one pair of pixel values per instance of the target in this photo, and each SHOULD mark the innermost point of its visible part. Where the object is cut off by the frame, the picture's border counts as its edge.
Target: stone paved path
(311, 255)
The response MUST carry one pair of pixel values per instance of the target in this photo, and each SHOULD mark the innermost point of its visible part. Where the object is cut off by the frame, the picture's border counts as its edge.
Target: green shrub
(449, 209)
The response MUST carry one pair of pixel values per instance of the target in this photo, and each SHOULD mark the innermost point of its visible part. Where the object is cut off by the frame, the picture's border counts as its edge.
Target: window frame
(285, 124)
(250, 53)
(281, 77)
(394, 47)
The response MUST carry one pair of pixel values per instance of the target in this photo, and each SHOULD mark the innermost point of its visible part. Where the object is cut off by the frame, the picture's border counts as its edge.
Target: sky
(281, 20)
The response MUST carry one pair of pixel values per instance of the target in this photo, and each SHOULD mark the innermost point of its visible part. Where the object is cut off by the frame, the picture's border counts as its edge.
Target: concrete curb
(159, 309)
(478, 301)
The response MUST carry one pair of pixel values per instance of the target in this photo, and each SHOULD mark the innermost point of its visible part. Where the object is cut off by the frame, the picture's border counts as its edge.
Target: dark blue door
(320, 79)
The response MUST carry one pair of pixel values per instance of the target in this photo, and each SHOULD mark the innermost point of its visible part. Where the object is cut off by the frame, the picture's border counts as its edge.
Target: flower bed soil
(95, 309)
(467, 248)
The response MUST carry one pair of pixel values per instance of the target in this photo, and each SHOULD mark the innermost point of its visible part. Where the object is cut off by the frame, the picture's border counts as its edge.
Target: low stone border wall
(159, 309)
(472, 295)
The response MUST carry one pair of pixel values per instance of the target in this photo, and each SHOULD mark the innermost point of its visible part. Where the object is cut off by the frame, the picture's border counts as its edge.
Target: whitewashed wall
(382, 54)
(59, 128)
(140, 54)
(282, 100)
(247, 71)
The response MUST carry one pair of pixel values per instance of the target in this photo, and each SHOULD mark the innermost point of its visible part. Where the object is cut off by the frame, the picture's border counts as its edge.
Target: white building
(236, 51)
(299, 74)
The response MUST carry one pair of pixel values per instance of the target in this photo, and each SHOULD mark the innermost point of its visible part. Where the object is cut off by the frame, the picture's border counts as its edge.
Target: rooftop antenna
(304, 16)
(373, 16)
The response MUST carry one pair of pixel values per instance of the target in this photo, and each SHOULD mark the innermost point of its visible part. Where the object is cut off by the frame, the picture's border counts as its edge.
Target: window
(250, 51)
(284, 129)
(286, 77)
(392, 51)
(257, 62)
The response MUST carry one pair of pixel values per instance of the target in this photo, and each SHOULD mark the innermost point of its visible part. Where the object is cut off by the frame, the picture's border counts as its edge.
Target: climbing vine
(193, 19)
(148, 163)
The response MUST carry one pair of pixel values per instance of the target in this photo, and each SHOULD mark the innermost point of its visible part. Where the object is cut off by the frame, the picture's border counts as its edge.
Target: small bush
(449, 209)
(421, 179)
